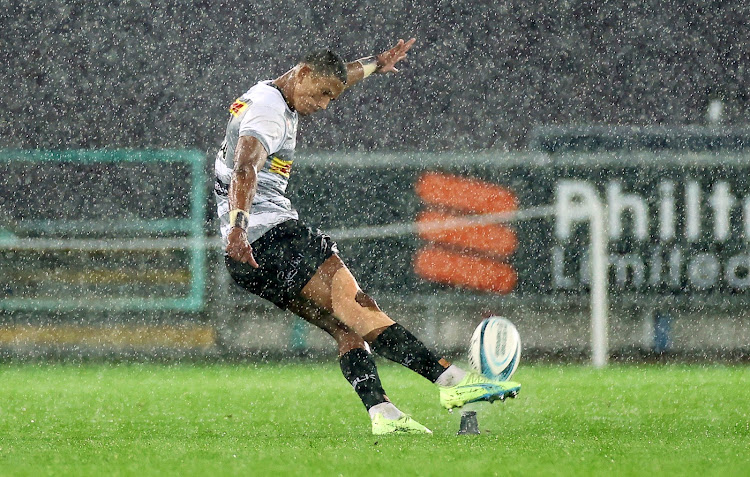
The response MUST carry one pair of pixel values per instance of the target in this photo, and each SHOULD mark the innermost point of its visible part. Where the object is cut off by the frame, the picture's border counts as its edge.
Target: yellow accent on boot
(476, 387)
(403, 425)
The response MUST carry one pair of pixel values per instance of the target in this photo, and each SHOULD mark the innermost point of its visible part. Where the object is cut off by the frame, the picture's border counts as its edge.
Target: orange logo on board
(237, 107)
(462, 253)
(281, 167)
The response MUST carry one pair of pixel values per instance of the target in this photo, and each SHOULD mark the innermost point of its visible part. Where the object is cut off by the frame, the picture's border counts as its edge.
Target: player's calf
(359, 369)
(397, 344)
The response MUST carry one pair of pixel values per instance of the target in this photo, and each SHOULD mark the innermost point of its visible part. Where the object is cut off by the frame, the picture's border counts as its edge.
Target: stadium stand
(483, 74)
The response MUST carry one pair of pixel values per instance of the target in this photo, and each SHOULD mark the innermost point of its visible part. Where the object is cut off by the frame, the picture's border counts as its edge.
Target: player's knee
(348, 341)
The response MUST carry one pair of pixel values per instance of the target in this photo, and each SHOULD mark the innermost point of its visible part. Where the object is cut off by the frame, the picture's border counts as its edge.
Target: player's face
(314, 92)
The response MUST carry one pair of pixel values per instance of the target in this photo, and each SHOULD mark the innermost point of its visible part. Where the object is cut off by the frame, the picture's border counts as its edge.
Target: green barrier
(22, 228)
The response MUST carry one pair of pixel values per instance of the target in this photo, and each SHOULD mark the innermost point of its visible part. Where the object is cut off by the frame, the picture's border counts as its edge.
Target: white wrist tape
(239, 218)
(369, 66)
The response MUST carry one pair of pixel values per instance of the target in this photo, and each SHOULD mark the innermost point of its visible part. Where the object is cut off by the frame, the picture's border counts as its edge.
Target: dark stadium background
(113, 74)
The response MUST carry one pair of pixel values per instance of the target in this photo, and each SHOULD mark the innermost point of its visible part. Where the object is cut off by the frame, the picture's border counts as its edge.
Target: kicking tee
(262, 113)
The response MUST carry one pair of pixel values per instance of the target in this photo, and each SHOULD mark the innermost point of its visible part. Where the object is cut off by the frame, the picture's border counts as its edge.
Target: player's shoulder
(265, 96)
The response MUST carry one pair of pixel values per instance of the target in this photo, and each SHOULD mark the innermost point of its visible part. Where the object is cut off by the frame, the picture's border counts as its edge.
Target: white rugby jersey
(262, 113)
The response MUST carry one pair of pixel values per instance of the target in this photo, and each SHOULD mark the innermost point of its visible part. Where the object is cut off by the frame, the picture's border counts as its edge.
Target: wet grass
(304, 419)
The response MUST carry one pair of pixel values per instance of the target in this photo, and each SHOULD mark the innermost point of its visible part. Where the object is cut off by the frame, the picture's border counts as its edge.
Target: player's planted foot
(403, 425)
(474, 388)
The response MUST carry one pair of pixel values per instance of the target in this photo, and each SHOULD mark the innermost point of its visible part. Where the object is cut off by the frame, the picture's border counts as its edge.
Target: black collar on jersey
(273, 85)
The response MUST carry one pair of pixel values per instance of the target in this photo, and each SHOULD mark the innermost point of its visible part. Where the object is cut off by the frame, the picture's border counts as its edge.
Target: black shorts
(289, 255)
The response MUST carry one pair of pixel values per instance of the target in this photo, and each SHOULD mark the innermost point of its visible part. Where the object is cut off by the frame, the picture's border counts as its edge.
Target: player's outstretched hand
(238, 248)
(388, 59)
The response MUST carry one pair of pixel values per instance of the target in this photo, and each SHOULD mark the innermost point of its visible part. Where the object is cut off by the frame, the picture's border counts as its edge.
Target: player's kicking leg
(457, 387)
(334, 289)
(358, 367)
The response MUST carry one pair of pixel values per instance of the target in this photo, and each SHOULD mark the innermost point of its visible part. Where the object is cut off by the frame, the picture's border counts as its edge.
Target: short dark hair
(326, 63)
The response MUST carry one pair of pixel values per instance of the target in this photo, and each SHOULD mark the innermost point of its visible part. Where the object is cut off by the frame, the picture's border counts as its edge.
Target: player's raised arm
(382, 63)
(249, 156)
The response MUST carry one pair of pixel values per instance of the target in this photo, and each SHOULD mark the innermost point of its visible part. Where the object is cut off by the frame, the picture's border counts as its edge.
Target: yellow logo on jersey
(237, 107)
(281, 167)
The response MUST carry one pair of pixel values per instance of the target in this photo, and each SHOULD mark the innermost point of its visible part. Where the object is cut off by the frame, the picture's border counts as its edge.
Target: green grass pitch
(304, 419)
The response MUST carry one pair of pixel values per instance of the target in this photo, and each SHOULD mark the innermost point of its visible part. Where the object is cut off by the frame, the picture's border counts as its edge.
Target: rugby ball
(495, 348)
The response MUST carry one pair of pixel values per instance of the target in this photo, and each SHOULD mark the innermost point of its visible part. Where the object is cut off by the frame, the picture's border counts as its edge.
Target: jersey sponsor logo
(221, 188)
(222, 154)
(238, 107)
(281, 167)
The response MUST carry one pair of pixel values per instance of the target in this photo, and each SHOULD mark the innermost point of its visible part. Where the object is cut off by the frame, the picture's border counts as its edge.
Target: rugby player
(271, 253)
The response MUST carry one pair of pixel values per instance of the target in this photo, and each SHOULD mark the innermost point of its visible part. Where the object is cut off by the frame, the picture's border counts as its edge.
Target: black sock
(359, 369)
(398, 344)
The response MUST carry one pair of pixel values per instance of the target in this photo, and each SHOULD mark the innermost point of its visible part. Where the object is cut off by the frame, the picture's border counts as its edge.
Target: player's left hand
(388, 59)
